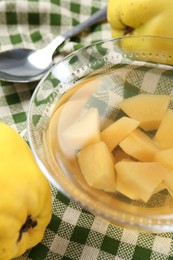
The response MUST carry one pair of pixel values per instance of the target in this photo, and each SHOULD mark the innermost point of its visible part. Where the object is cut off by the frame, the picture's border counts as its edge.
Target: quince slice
(149, 109)
(168, 179)
(165, 157)
(120, 155)
(164, 135)
(97, 166)
(138, 145)
(162, 186)
(85, 131)
(140, 179)
(116, 132)
(123, 187)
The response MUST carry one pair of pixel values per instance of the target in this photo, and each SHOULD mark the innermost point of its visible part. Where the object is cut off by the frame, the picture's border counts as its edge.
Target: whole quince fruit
(25, 205)
(143, 18)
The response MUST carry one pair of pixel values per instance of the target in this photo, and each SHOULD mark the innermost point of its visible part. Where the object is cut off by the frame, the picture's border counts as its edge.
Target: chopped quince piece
(162, 186)
(164, 135)
(120, 155)
(123, 187)
(116, 132)
(147, 108)
(168, 179)
(62, 117)
(138, 145)
(140, 178)
(165, 157)
(54, 139)
(70, 112)
(97, 166)
(84, 131)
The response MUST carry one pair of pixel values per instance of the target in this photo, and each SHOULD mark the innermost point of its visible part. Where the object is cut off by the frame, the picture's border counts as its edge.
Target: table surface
(73, 232)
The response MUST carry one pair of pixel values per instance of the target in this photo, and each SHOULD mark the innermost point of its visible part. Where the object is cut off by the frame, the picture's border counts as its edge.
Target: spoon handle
(99, 16)
(95, 18)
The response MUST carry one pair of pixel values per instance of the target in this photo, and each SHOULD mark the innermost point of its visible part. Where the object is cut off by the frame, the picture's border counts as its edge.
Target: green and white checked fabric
(73, 232)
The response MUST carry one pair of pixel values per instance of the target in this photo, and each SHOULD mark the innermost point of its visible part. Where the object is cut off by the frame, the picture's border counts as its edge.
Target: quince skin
(25, 205)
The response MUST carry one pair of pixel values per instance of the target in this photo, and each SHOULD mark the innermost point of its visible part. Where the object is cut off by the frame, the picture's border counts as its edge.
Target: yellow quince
(144, 17)
(25, 205)
(139, 18)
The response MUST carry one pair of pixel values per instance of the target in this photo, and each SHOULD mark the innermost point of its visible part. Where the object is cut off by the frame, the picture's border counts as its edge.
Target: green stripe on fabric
(11, 18)
(75, 8)
(55, 19)
(141, 252)
(39, 252)
(20, 117)
(54, 223)
(36, 36)
(80, 235)
(33, 18)
(12, 99)
(15, 39)
(110, 245)
(56, 2)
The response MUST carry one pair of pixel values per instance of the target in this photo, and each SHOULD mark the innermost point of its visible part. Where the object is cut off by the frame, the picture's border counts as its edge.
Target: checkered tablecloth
(73, 232)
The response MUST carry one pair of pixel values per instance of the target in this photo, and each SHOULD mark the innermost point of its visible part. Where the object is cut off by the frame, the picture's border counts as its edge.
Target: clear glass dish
(100, 76)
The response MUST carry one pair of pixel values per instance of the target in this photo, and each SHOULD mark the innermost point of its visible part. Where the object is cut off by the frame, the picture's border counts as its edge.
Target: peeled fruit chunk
(116, 132)
(69, 113)
(97, 166)
(120, 155)
(123, 187)
(140, 179)
(169, 182)
(165, 157)
(162, 186)
(64, 116)
(138, 145)
(85, 131)
(147, 108)
(164, 134)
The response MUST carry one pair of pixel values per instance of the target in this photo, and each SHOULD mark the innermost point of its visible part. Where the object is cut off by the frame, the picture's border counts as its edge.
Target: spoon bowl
(17, 65)
(26, 65)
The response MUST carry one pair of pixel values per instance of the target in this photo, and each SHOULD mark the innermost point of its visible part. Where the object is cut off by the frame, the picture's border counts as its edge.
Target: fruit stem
(29, 223)
(128, 29)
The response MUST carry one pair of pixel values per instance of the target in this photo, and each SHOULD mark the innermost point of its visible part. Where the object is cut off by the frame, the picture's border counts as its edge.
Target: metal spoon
(25, 65)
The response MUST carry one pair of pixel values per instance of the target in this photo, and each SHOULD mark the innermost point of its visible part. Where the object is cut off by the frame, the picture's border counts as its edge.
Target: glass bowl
(100, 76)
